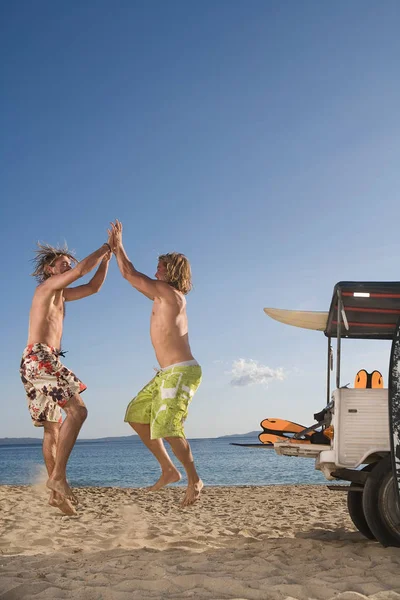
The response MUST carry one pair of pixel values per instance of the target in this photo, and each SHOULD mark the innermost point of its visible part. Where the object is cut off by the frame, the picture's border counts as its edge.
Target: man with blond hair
(159, 410)
(49, 385)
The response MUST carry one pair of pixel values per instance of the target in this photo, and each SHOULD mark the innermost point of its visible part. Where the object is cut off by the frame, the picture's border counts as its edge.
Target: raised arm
(61, 281)
(93, 286)
(151, 288)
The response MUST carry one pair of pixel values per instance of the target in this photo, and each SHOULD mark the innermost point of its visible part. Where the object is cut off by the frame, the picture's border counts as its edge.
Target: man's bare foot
(61, 487)
(171, 476)
(192, 493)
(62, 503)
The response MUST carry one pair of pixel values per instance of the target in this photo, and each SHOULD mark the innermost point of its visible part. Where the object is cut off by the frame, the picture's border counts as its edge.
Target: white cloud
(249, 372)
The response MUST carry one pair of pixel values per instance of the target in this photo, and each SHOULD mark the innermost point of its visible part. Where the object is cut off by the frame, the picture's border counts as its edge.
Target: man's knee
(176, 440)
(82, 413)
(76, 409)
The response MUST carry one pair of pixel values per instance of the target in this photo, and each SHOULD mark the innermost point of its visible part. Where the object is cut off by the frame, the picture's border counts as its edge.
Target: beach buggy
(356, 436)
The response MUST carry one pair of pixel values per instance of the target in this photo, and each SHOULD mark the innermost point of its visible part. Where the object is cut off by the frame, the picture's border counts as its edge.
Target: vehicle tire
(356, 510)
(380, 504)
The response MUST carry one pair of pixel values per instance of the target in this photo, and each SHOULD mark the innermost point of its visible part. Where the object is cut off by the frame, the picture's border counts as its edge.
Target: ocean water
(128, 463)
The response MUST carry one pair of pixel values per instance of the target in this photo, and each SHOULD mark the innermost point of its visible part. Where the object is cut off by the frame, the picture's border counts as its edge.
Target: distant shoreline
(126, 438)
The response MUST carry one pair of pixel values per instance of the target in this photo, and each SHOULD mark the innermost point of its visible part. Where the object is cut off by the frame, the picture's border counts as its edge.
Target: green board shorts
(163, 403)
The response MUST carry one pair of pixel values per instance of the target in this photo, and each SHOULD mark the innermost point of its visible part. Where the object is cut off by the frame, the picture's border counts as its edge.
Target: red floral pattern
(48, 384)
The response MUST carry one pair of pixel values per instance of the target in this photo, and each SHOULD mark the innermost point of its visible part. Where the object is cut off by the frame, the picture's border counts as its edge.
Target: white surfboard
(316, 320)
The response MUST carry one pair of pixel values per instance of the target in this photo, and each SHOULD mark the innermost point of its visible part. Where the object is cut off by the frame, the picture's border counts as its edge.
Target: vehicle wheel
(380, 504)
(356, 510)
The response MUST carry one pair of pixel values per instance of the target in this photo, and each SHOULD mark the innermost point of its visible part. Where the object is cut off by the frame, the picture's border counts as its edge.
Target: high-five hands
(115, 235)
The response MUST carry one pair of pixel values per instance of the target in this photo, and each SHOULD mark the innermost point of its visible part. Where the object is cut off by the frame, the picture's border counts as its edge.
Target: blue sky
(259, 138)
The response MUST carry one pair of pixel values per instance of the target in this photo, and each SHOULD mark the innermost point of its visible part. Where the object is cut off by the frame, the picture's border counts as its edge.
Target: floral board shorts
(163, 402)
(48, 384)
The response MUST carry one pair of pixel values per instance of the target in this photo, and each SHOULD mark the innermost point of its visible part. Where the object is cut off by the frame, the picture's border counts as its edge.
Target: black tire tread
(371, 503)
(356, 512)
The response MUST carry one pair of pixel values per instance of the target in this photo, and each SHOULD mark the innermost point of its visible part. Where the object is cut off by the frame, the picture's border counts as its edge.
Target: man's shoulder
(43, 287)
(44, 290)
(165, 289)
(169, 295)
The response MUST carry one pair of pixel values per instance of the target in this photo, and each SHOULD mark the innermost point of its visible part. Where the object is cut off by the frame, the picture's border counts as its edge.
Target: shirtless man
(160, 408)
(49, 385)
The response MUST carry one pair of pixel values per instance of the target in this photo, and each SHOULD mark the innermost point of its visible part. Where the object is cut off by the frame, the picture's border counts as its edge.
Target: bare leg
(182, 451)
(50, 439)
(69, 430)
(169, 473)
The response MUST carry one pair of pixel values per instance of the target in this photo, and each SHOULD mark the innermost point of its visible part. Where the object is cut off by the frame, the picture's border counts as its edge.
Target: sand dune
(277, 542)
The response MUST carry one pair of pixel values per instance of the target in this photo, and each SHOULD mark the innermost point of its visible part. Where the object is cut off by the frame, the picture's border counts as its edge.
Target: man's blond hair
(46, 255)
(179, 273)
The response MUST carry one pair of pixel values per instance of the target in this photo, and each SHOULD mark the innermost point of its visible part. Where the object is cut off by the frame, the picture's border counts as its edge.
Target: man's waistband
(185, 363)
(40, 347)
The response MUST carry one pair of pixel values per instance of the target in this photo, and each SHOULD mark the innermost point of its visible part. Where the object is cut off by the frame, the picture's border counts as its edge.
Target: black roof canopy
(371, 309)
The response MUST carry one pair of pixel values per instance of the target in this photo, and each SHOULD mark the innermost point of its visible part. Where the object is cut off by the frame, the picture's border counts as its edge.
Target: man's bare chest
(57, 308)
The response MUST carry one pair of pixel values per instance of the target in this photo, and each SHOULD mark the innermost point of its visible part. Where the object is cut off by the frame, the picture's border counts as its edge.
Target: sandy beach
(277, 542)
